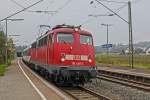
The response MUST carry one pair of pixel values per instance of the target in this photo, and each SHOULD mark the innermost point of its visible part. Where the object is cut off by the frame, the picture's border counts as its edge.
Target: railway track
(123, 81)
(81, 93)
(78, 93)
(133, 77)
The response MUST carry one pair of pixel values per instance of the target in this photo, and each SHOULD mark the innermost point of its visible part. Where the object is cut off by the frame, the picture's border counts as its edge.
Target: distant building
(126, 51)
(136, 50)
(147, 51)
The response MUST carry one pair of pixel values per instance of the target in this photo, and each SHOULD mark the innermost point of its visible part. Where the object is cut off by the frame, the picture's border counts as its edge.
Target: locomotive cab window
(65, 37)
(86, 39)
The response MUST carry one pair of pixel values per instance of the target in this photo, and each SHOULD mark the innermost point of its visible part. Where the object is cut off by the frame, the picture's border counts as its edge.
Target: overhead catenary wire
(64, 5)
(125, 3)
(38, 11)
(17, 3)
(111, 11)
(61, 8)
(87, 21)
(117, 10)
(120, 8)
(50, 2)
(21, 10)
(111, 1)
(25, 2)
(121, 2)
(115, 13)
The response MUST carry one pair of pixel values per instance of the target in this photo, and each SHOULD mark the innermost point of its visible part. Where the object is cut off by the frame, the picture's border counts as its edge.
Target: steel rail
(80, 93)
(141, 79)
(125, 83)
(127, 80)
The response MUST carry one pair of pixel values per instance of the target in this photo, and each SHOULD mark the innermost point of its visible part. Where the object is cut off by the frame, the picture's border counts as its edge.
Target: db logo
(77, 63)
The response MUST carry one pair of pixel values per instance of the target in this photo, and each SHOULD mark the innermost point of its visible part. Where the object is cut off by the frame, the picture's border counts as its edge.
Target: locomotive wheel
(46, 75)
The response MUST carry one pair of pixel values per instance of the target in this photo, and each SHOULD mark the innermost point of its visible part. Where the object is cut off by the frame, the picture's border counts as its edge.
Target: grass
(140, 61)
(2, 69)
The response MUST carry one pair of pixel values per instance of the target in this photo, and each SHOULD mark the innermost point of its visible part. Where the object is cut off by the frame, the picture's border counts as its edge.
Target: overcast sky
(75, 12)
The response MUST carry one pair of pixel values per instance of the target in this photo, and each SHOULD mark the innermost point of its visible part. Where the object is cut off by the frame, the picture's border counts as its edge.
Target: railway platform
(126, 70)
(15, 86)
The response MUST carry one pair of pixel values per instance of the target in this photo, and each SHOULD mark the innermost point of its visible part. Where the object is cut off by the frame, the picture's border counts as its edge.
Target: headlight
(89, 59)
(62, 57)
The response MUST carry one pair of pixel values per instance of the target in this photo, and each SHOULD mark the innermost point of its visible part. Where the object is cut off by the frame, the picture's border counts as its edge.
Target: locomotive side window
(65, 37)
(86, 39)
(33, 45)
(42, 41)
(51, 39)
(39, 43)
(45, 40)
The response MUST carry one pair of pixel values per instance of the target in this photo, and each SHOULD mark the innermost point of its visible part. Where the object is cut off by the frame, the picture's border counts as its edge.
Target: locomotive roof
(71, 30)
(65, 28)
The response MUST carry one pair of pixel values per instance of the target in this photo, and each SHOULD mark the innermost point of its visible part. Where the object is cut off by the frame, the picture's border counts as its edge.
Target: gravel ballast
(116, 91)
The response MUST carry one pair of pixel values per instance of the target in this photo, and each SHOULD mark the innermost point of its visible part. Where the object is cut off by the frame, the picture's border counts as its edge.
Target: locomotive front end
(74, 53)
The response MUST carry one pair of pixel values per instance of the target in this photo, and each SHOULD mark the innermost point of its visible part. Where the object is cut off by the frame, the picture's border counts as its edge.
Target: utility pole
(6, 44)
(15, 19)
(131, 51)
(6, 58)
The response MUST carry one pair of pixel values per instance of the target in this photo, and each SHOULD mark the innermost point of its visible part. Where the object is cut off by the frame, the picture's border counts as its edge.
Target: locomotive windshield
(85, 39)
(65, 37)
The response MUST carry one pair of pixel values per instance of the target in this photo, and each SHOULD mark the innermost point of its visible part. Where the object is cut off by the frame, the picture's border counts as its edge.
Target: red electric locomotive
(65, 54)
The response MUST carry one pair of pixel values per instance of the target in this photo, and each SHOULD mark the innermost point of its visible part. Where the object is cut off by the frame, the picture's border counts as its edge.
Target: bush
(9, 62)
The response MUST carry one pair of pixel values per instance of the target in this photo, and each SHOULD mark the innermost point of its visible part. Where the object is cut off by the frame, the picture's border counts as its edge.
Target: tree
(2, 46)
(10, 48)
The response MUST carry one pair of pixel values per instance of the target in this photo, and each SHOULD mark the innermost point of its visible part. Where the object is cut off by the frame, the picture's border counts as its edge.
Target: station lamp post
(14, 35)
(107, 39)
(107, 26)
(6, 54)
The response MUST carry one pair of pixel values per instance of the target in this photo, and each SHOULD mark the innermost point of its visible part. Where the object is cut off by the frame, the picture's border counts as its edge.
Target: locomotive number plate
(84, 57)
(76, 57)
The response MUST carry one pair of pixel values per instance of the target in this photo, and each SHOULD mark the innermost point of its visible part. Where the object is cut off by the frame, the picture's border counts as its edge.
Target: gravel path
(117, 91)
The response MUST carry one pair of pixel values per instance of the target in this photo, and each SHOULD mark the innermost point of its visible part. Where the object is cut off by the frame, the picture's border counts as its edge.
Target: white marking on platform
(37, 90)
(48, 85)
